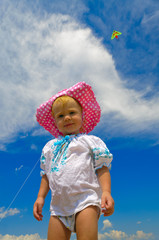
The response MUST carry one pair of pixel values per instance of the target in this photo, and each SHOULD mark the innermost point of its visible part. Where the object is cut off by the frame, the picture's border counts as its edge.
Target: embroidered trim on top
(42, 159)
(60, 148)
(101, 152)
(42, 172)
(104, 154)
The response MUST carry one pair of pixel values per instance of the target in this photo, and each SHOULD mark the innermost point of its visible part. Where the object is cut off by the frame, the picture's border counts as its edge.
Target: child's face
(68, 117)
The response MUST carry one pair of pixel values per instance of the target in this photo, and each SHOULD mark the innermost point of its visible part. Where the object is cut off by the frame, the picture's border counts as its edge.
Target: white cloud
(106, 224)
(113, 235)
(141, 235)
(33, 147)
(119, 235)
(9, 212)
(149, 18)
(2, 147)
(150, 25)
(41, 54)
(139, 222)
(21, 237)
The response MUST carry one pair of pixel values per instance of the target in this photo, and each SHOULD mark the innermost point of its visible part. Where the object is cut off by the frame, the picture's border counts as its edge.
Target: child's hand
(107, 204)
(37, 209)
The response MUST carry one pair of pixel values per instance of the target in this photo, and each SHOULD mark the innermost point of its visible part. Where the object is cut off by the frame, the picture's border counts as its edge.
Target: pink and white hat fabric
(83, 93)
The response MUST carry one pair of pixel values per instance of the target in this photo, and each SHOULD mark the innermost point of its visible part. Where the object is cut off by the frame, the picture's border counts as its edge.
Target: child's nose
(67, 117)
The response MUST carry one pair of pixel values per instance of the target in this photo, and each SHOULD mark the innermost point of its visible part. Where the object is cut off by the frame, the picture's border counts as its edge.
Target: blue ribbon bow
(62, 141)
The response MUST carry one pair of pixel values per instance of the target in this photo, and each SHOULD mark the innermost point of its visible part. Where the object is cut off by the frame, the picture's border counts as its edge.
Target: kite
(115, 34)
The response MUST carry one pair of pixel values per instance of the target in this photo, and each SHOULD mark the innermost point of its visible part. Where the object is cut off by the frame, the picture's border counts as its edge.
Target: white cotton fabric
(75, 185)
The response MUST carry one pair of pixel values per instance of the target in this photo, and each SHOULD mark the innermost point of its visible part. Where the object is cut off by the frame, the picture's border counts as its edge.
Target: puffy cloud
(39, 54)
(9, 212)
(142, 235)
(115, 235)
(106, 224)
(21, 237)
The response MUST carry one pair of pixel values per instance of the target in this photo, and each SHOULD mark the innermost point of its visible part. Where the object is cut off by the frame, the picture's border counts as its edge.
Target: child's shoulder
(90, 139)
(49, 144)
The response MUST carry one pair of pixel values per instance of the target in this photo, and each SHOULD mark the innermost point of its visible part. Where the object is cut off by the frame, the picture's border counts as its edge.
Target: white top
(70, 164)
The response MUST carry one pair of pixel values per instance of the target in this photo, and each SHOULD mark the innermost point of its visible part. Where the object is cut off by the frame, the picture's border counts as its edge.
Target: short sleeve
(101, 154)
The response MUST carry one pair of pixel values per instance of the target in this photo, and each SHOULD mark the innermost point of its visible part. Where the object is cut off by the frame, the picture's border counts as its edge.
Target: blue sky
(50, 45)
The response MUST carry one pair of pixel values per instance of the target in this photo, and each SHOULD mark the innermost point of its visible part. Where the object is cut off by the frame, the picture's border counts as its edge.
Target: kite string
(21, 187)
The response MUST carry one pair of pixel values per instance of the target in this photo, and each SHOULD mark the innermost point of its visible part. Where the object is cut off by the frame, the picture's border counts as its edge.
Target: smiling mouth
(67, 125)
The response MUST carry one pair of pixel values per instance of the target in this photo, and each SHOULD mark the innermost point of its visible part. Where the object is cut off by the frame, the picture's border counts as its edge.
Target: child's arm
(39, 203)
(107, 201)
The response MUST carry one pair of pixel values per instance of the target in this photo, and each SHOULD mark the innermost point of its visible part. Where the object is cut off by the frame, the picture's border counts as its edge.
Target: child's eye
(72, 113)
(60, 116)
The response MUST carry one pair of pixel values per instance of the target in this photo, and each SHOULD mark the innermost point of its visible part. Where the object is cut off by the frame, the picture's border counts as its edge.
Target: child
(74, 165)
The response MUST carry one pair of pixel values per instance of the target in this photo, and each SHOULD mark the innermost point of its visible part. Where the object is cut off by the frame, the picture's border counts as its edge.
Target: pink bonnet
(83, 93)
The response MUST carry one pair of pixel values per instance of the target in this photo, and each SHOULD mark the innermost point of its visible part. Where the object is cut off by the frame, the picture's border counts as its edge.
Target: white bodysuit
(70, 167)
